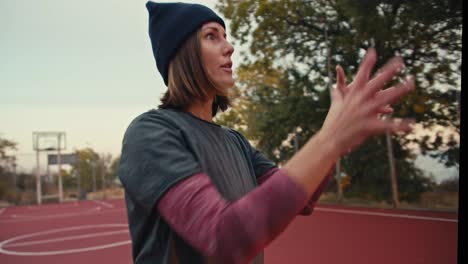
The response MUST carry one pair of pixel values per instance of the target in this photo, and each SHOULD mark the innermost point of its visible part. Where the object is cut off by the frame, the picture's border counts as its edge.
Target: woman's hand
(353, 117)
(354, 114)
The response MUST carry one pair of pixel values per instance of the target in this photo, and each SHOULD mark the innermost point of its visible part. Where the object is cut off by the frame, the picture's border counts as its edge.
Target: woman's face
(216, 53)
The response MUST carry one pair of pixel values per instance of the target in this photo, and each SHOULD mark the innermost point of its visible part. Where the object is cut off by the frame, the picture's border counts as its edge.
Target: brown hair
(188, 81)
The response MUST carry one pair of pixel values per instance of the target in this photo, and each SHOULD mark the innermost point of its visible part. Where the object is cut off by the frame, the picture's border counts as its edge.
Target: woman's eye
(210, 36)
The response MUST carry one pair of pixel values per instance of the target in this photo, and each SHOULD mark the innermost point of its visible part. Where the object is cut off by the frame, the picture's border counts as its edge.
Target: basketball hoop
(48, 141)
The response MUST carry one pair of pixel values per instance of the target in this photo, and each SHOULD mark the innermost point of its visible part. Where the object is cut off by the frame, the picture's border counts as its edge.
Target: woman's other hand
(354, 114)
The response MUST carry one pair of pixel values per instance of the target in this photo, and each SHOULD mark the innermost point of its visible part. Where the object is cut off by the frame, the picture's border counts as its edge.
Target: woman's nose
(228, 49)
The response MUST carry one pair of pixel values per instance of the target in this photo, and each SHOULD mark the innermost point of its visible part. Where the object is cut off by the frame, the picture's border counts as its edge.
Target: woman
(197, 192)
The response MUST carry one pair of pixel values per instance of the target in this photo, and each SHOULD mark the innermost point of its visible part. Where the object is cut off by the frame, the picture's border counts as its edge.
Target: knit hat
(170, 24)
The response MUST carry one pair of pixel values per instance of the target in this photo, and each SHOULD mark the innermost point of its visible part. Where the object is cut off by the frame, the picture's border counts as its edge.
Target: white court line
(49, 215)
(65, 238)
(386, 214)
(66, 251)
(52, 206)
(2, 210)
(108, 205)
(36, 218)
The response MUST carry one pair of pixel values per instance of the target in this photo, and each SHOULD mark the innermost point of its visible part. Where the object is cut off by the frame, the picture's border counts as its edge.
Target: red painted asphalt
(95, 232)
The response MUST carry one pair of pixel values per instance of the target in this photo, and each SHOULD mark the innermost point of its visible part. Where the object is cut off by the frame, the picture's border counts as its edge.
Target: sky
(82, 67)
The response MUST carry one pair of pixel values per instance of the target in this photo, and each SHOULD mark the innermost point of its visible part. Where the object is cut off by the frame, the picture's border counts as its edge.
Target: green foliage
(282, 88)
(69, 182)
(25, 182)
(6, 145)
(90, 162)
(7, 190)
(102, 165)
(86, 167)
(112, 173)
(369, 167)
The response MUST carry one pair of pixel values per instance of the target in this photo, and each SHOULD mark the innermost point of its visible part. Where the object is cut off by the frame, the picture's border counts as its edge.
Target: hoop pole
(38, 180)
(60, 185)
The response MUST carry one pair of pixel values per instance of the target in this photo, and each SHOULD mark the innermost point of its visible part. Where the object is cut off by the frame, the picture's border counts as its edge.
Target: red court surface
(96, 232)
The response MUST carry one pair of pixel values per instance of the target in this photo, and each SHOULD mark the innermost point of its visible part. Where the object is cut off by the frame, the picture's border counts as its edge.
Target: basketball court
(96, 232)
(74, 232)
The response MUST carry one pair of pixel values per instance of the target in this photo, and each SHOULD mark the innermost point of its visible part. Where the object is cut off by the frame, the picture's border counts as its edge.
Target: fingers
(340, 79)
(385, 93)
(393, 94)
(388, 97)
(385, 109)
(392, 125)
(381, 95)
(336, 94)
(365, 68)
(384, 75)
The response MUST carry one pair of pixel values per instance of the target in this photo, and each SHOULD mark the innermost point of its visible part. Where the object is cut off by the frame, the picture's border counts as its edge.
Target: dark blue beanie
(170, 24)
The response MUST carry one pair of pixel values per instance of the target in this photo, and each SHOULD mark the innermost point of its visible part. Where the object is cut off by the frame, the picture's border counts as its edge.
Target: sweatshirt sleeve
(308, 209)
(232, 232)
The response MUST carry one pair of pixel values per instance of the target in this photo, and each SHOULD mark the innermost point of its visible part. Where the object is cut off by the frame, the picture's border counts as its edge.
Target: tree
(94, 170)
(105, 164)
(7, 163)
(112, 173)
(5, 146)
(89, 169)
(283, 78)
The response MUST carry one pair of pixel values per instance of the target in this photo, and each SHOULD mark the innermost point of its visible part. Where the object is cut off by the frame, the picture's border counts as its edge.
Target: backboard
(50, 140)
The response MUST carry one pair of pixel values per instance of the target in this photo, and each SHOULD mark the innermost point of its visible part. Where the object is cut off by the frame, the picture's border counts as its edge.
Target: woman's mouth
(227, 67)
